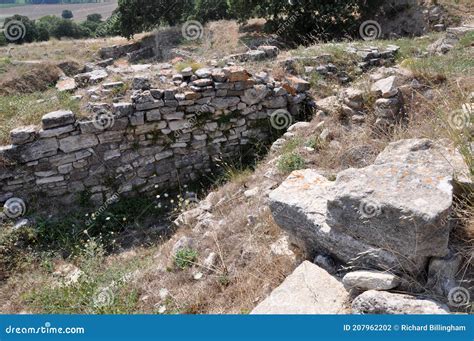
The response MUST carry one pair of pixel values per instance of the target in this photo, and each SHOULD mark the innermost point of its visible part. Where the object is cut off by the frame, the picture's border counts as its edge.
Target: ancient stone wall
(161, 138)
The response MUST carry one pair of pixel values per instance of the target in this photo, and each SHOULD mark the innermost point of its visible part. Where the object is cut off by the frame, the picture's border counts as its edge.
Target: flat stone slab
(22, 135)
(386, 87)
(58, 119)
(383, 302)
(66, 84)
(447, 159)
(308, 290)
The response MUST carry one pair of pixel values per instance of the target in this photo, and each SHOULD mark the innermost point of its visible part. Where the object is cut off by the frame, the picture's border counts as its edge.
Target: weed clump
(184, 258)
(290, 162)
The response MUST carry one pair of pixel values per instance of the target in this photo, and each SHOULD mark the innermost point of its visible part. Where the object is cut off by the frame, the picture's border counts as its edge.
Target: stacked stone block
(161, 138)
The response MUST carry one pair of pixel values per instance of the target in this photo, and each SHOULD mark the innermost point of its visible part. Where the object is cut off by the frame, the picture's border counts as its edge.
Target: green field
(80, 9)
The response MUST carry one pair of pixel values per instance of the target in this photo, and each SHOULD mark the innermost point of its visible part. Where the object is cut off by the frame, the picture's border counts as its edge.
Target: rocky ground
(365, 208)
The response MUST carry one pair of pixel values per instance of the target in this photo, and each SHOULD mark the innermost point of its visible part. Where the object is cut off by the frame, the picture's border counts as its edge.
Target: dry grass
(26, 109)
(29, 78)
(245, 270)
(57, 50)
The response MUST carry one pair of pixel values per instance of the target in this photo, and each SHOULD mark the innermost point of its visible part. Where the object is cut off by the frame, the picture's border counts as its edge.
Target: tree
(207, 10)
(109, 27)
(67, 14)
(303, 21)
(94, 17)
(48, 22)
(69, 29)
(19, 29)
(139, 15)
(43, 33)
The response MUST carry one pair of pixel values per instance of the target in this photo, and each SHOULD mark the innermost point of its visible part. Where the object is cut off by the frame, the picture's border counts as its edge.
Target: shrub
(69, 29)
(26, 34)
(14, 247)
(95, 17)
(67, 14)
(185, 258)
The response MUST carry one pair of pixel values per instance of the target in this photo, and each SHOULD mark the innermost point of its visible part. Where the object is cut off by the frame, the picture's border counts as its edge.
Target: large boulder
(402, 202)
(442, 155)
(299, 206)
(383, 302)
(308, 290)
(401, 208)
(392, 215)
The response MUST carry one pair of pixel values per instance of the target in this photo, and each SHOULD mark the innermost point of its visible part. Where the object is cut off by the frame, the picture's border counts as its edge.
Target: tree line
(295, 21)
(51, 26)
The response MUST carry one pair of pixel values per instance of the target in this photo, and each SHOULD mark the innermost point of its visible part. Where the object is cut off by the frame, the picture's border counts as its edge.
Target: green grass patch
(106, 223)
(467, 40)
(100, 289)
(292, 145)
(315, 142)
(27, 109)
(439, 68)
(188, 63)
(5, 62)
(290, 162)
(185, 258)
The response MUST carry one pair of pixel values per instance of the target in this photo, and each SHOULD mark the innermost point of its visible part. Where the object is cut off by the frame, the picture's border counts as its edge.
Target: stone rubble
(383, 302)
(450, 40)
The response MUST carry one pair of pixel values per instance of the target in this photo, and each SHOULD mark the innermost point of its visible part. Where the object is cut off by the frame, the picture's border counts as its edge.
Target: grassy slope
(245, 271)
